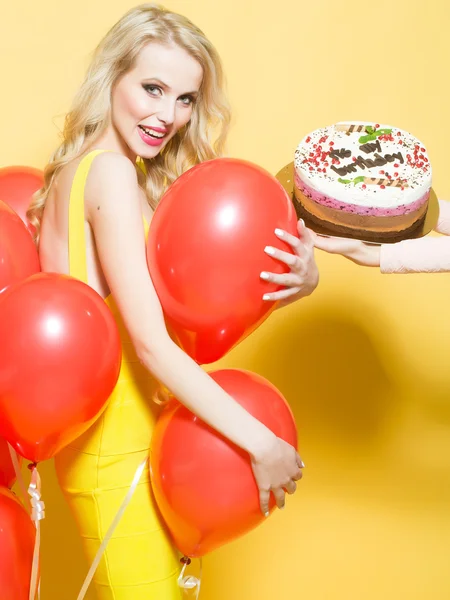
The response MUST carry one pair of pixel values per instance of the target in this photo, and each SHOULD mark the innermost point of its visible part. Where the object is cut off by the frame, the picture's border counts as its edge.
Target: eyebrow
(167, 87)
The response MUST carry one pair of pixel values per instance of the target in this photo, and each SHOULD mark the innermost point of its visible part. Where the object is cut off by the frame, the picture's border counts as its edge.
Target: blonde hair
(201, 139)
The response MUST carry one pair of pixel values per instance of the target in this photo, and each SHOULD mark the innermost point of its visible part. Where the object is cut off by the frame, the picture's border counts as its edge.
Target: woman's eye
(154, 90)
(188, 100)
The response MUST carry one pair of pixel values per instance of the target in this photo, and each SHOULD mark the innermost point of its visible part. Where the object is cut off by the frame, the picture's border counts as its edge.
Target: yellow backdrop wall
(365, 360)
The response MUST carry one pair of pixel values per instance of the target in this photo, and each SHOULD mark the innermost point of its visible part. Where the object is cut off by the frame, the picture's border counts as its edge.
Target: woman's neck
(111, 140)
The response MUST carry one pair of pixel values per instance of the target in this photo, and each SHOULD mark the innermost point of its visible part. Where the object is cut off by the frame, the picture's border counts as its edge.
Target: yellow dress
(96, 470)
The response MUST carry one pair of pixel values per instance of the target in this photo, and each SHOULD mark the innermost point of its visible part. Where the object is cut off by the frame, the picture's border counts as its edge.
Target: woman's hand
(359, 252)
(304, 275)
(276, 468)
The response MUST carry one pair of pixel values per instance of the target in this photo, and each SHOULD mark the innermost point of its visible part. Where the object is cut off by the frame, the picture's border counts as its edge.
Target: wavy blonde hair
(202, 139)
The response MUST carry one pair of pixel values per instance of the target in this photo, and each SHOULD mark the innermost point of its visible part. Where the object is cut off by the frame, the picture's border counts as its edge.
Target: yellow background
(365, 361)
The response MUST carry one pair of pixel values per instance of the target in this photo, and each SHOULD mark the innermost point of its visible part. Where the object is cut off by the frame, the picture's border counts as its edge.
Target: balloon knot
(32, 466)
(185, 560)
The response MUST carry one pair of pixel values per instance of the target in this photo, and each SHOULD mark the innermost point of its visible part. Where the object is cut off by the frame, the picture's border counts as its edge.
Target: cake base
(337, 230)
(371, 228)
(422, 227)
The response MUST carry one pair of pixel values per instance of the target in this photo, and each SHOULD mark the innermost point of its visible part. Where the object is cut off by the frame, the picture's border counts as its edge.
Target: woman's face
(155, 99)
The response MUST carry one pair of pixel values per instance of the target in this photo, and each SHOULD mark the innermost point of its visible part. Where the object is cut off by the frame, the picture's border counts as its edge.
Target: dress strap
(77, 235)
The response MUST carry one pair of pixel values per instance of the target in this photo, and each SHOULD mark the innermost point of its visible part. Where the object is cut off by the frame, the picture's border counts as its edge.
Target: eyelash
(148, 87)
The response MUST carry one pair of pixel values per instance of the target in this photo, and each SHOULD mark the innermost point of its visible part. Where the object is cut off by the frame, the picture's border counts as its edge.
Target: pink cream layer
(402, 209)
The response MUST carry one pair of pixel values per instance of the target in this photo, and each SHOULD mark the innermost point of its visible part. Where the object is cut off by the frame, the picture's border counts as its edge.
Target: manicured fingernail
(279, 232)
(269, 250)
(266, 514)
(302, 464)
(302, 222)
(266, 297)
(264, 275)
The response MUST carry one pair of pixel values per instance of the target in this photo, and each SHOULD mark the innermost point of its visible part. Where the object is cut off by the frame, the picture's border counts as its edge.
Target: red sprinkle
(423, 149)
(382, 187)
(399, 133)
(308, 139)
(354, 159)
(363, 186)
(377, 126)
(396, 165)
(381, 172)
(311, 169)
(395, 174)
(331, 143)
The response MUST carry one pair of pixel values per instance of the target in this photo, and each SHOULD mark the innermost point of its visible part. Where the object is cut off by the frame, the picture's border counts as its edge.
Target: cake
(365, 179)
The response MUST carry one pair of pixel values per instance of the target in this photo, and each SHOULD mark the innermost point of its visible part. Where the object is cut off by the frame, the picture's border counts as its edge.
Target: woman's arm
(114, 212)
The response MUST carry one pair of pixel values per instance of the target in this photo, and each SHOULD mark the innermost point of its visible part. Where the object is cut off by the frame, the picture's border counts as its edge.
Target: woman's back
(54, 237)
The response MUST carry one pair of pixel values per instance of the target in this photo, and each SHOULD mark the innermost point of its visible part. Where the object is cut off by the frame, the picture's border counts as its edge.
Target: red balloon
(7, 473)
(204, 484)
(18, 254)
(17, 534)
(205, 253)
(17, 186)
(60, 358)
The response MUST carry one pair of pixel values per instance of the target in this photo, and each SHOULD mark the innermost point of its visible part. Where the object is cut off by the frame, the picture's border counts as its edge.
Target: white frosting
(317, 173)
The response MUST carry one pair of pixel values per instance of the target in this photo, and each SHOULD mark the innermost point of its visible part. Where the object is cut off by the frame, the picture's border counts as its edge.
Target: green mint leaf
(358, 180)
(344, 180)
(369, 129)
(368, 138)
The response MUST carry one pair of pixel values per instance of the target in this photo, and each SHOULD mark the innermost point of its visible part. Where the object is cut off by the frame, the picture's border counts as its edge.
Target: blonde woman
(154, 90)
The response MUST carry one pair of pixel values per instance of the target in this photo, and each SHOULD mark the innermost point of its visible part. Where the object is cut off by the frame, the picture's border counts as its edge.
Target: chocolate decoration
(379, 160)
(399, 156)
(351, 168)
(340, 153)
(334, 154)
(368, 148)
(369, 163)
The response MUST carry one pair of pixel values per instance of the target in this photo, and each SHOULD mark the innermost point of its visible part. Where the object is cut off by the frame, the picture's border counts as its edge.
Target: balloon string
(19, 476)
(112, 527)
(37, 514)
(189, 582)
(162, 395)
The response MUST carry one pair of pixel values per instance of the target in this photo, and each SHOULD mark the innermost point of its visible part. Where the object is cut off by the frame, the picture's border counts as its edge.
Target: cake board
(286, 177)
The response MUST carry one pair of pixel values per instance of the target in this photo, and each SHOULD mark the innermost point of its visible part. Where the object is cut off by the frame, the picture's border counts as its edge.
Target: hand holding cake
(422, 255)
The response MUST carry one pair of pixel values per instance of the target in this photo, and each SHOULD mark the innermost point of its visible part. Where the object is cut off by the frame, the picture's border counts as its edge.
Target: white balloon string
(19, 476)
(37, 514)
(112, 527)
(189, 582)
